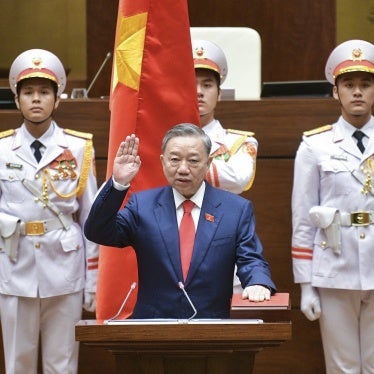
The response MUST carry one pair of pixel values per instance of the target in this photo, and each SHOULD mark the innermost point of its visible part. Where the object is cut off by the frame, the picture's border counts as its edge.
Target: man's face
(36, 100)
(355, 91)
(185, 163)
(208, 93)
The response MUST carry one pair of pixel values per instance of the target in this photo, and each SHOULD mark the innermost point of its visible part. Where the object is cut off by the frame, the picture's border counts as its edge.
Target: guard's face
(185, 164)
(36, 100)
(208, 93)
(355, 91)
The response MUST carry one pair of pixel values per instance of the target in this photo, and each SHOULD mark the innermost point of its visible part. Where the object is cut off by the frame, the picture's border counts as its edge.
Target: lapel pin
(209, 217)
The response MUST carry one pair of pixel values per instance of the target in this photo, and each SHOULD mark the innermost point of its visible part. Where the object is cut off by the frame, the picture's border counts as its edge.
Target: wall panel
(297, 35)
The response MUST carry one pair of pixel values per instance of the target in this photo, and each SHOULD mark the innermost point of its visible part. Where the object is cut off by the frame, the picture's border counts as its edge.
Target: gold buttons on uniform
(323, 245)
(37, 245)
(362, 235)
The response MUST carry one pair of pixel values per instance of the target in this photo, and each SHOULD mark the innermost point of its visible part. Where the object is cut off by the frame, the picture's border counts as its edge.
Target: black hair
(23, 81)
(216, 75)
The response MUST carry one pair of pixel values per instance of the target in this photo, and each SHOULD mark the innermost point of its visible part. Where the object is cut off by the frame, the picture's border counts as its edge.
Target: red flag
(153, 89)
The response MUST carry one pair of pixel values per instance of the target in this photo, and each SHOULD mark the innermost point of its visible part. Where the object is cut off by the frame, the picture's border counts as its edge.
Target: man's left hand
(256, 293)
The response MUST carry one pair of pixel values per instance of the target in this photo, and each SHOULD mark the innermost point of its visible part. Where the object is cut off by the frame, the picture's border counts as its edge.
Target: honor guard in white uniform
(48, 182)
(233, 152)
(333, 215)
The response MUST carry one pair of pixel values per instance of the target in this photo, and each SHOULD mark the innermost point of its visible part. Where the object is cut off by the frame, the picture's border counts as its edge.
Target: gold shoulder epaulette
(241, 132)
(79, 134)
(318, 130)
(6, 133)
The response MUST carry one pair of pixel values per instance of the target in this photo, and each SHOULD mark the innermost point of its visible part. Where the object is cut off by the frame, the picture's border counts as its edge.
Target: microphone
(107, 57)
(132, 287)
(181, 286)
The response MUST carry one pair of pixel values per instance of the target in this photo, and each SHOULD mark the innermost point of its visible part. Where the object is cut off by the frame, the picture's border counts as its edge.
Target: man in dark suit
(149, 222)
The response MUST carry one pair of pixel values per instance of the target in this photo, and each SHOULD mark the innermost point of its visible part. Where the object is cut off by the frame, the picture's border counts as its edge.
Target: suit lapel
(210, 218)
(345, 143)
(54, 151)
(22, 150)
(369, 151)
(167, 222)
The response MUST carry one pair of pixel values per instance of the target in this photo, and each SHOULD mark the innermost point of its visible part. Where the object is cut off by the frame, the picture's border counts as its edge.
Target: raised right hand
(127, 161)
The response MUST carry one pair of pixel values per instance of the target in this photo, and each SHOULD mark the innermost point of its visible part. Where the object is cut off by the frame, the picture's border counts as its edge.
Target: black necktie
(358, 134)
(36, 145)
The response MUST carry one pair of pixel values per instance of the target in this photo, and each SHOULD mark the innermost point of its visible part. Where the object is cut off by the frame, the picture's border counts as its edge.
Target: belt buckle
(35, 228)
(360, 218)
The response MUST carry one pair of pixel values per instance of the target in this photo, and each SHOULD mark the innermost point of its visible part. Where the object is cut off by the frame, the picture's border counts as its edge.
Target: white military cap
(207, 55)
(352, 55)
(37, 63)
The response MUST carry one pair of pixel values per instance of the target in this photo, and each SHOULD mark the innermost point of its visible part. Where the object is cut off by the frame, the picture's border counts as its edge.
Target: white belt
(362, 218)
(42, 227)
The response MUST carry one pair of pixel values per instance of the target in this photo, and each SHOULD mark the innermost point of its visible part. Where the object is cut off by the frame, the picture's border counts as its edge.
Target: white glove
(310, 303)
(256, 293)
(89, 302)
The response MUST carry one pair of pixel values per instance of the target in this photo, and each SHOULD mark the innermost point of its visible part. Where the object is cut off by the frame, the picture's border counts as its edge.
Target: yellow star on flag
(129, 50)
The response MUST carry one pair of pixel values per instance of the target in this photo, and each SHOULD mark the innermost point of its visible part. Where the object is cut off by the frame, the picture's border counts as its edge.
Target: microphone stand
(132, 287)
(181, 286)
(108, 55)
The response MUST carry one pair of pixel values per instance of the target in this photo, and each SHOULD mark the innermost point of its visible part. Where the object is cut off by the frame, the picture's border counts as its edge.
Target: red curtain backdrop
(153, 88)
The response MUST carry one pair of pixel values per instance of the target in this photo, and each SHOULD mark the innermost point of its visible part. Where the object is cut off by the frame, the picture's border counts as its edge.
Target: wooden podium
(197, 347)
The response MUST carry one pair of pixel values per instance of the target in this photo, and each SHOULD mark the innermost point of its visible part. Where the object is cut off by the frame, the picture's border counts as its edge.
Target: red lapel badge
(209, 217)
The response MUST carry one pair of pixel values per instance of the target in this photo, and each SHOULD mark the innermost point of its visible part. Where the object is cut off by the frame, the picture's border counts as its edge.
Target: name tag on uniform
(11, 165)
(339, 157)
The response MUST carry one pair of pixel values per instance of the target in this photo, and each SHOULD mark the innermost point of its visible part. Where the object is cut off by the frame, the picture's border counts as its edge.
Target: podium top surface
(91, 331)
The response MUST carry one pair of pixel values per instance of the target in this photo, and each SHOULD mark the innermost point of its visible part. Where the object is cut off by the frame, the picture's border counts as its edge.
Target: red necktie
(186, 236)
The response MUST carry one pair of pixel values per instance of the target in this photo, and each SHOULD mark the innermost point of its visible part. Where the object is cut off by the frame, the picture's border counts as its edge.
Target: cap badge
(36, 62)
(199, 52)
(357, 54)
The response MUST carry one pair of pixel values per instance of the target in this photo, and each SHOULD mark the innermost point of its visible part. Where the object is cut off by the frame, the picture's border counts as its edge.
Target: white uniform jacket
(234, 155)
(60, 261)
(330, 171)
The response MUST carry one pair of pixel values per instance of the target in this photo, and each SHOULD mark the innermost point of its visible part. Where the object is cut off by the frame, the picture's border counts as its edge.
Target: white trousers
(24, 319)
(347, 329)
